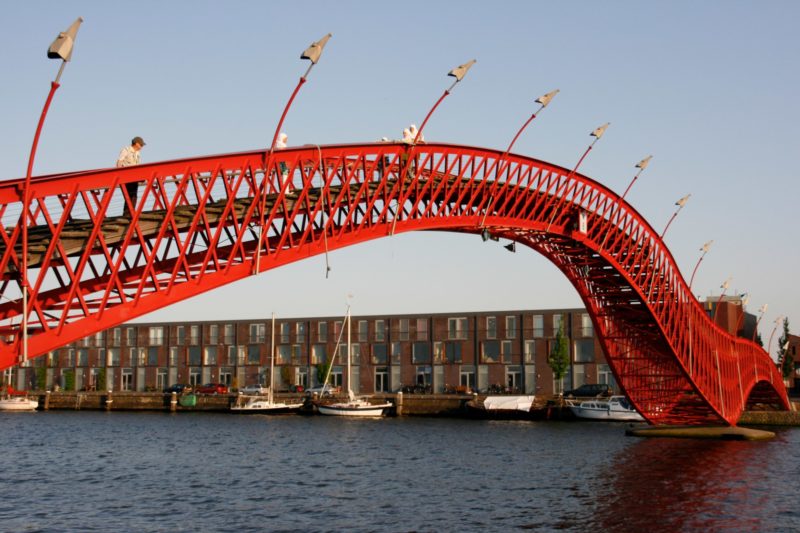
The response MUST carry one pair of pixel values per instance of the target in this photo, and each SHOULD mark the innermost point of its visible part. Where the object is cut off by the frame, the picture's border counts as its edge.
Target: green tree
(322, 371)
(785, 362)
(558, 359)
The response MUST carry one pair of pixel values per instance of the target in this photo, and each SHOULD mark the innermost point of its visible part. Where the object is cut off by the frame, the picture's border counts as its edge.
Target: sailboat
(15, 400)
(353, 406)
(268, 406)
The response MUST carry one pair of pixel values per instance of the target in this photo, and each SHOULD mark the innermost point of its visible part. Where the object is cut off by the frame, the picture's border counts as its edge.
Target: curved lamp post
(312, 53)
(724, 288)
(597, 133)
(543, 101)
(706, 247)
(774, 329)
(761, 311)
(745, 300)
(680, 203)
(641, 165)
(61, 48)
(458, 73)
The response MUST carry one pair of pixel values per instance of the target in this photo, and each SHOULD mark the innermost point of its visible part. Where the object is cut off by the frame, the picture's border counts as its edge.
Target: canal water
(92, 471)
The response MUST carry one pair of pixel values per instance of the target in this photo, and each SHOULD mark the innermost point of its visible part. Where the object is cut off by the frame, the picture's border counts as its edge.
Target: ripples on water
(89, 471)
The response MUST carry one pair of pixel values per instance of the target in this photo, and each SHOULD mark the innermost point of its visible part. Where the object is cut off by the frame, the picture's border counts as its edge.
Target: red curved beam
(196, 226)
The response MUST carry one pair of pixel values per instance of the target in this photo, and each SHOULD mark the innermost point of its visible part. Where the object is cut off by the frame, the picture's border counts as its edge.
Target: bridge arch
(197, 224)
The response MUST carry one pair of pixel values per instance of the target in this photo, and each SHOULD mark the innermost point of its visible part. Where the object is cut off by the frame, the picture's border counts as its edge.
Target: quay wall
(448, 405)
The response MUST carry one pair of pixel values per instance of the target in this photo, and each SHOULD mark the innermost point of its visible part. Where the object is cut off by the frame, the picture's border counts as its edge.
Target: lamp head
(61, 48)
(545, 99)
(644, 162)
(600, 131)
(460, 71)
(511, 247)
(763, 309)
(707, 246)
(682, 201)
(313, 52)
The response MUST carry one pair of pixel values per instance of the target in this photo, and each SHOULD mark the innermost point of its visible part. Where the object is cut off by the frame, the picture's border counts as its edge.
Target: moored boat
(265, 406)
(615, 408)
(18, 403)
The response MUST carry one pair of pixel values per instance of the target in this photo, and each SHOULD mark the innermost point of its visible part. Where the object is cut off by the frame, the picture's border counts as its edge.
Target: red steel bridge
(98, 257)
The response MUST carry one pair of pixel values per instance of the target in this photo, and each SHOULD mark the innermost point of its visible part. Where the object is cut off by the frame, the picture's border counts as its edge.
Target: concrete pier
(707, 432)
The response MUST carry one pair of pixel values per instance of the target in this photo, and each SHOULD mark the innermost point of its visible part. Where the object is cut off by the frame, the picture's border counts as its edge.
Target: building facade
(438, 352)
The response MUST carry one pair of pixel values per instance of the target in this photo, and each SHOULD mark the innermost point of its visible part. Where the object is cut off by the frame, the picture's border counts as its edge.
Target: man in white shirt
(128, 157)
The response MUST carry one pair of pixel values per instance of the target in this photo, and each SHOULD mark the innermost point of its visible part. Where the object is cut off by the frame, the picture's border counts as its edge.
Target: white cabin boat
(18, 403)
(266, 406)
(615, 408)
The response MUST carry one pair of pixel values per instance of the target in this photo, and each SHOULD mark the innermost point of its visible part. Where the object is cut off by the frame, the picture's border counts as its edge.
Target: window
(156, 335)
(99, 339)
(113, 356)
(457, 328)
(130, 336)
(397, 353)
(538, 326)
(284, 355)
(491, 327)
(173, 356)
(529, 351)
(421, 353)
(70, 362)
(319, 354)
(422, 329)
(337, 330)
(584, 351)
(380, 331)
(210, 355)
(363, 331)
(213, 334)
(194, 335)
(438, 353)
(152, 356)
(355, 354)
(180, 335)
(116, 336)
(558, 320)
(490, 352)
(253, 354)
(505, 349)
(231, 355)
(300, 329)
(284, 328)
(587, 330)
(378, 354)
(142, 359)
(127, 379)
(402, 330)
(322, 331)
(83, 357)
(452, 351)
(511, 327)
(514, 378)
(195, 357)
(257, 332)
(229, 334)
(381, 379)
(101, 357)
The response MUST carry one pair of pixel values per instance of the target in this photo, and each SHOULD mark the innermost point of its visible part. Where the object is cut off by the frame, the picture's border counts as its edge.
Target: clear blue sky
(709, 88)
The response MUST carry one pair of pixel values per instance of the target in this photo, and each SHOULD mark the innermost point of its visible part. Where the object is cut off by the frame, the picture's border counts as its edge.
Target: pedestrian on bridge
(129, 156)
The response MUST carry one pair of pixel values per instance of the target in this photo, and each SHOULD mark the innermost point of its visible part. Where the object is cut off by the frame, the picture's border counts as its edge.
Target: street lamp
(543, 101)
(680, 203)
(312, 53)
(706, 247)
(724, 288)
(61, 48)
(745, 300)
(774, 329)
(641, 165)
(458, 73)
(597, 133)
(761, 311)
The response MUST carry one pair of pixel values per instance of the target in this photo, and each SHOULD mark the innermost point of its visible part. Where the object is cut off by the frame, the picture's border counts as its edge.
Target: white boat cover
(508, 403)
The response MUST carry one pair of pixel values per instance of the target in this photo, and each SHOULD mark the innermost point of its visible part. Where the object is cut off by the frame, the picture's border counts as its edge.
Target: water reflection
(682, 485)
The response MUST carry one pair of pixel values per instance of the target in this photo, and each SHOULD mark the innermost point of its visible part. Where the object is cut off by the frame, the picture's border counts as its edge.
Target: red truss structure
(98, 256)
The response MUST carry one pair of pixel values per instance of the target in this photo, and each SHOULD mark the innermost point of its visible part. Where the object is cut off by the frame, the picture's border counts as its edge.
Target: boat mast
(272, 359)
(349, 388)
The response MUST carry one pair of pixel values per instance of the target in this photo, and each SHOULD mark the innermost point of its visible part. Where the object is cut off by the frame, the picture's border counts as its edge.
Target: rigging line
(325, 225)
